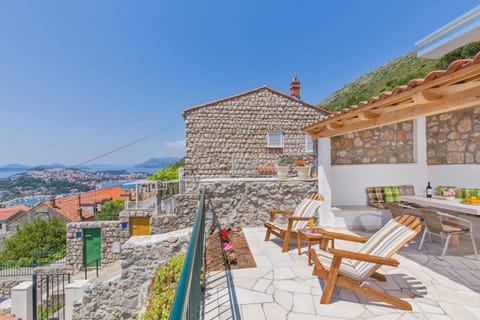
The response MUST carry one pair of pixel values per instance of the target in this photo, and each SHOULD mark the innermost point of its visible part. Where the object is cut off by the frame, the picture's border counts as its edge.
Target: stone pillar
(22, 301)
(73, 292)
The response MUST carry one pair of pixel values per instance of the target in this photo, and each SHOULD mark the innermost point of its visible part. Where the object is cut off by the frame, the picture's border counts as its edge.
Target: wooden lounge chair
(298, 219)
(351, 269)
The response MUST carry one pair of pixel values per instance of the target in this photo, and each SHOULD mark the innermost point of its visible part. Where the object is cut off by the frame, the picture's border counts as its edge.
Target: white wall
(464, 175)
(348, 182)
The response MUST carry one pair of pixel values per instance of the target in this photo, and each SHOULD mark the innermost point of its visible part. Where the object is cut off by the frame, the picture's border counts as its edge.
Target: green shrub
(110, 210)
(39, 235)
(164, 288)
(169, 173)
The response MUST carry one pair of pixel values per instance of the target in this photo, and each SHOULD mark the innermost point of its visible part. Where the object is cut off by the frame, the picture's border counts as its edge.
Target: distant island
(152, 163)
(157, 162)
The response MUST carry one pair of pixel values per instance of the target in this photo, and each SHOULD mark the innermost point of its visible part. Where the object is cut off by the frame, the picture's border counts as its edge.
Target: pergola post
(324, 164)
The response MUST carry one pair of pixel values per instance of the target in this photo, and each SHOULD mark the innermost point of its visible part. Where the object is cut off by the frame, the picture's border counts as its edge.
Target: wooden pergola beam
(453, 90)
(433, 104)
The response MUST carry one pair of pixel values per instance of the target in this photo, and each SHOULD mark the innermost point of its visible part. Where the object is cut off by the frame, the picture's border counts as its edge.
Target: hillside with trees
(395, 73)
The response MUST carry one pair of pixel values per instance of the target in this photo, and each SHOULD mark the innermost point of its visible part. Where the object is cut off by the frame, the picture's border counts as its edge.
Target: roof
(455, 88)
(7, 212)
(252, 91)
(68, 206)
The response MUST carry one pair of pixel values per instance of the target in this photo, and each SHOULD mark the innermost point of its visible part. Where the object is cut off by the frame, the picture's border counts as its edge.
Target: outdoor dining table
(451, 205)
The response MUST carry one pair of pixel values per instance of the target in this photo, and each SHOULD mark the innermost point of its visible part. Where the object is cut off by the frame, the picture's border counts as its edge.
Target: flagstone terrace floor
(282, 286)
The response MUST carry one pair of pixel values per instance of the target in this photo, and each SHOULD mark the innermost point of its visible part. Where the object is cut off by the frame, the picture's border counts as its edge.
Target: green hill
(395, 73)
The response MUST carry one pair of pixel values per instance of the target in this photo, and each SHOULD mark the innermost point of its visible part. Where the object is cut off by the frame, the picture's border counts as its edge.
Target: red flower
(223, 233)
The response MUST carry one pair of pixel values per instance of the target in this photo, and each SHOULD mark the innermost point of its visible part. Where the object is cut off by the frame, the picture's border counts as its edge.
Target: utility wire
(125, 146)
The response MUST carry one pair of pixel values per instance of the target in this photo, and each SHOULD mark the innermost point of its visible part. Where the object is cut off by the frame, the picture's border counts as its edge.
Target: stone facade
(387, 144)
(453, 138)
(112, 234)
(229, 138)
(123, 297)
(243, 202)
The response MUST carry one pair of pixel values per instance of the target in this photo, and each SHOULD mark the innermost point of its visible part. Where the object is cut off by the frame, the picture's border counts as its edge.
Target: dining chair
(445, 225)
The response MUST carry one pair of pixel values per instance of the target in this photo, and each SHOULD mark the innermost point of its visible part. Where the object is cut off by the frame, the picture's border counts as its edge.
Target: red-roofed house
(9, 215)
(77, 207)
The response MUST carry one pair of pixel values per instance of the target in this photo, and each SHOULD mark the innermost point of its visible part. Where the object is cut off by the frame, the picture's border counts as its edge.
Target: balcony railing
(188, 298)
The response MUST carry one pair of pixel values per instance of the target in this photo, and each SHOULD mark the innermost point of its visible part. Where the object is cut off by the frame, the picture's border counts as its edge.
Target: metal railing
(90, 264)
(188, 297)
(49, 295)
(19, 269)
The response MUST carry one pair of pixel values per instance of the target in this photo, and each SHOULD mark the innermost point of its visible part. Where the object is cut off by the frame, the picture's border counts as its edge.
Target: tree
(110, 210)
(38, 235)
(169, 173)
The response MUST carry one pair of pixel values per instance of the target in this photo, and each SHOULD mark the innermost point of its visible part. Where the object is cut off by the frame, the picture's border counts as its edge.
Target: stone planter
(282, 172)
(303, 172)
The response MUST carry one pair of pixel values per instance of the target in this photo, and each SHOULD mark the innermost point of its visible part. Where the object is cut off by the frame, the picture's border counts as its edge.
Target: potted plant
(283, 166)
(302, 166)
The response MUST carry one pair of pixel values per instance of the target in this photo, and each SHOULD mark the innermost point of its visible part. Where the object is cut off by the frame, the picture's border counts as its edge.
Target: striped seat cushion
(383, 244)
(307, 208)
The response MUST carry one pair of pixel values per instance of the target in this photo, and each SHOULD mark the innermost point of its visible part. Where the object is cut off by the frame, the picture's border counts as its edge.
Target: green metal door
(92, 247)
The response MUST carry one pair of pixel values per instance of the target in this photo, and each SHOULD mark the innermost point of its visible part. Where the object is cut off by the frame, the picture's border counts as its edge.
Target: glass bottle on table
(311, 223)
(429, 190)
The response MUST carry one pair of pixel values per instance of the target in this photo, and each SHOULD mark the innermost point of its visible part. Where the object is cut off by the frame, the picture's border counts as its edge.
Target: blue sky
(81, 78)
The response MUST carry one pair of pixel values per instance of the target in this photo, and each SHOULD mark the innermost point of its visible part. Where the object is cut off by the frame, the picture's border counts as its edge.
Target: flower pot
(303, 172)
(282, 172)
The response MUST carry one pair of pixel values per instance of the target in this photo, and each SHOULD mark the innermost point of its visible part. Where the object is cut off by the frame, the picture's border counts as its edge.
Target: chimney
(52, 202)
(295, 87)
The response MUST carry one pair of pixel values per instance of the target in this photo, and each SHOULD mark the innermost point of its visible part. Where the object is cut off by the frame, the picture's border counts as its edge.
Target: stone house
(74, 208)
(238, 136)
(9, 217)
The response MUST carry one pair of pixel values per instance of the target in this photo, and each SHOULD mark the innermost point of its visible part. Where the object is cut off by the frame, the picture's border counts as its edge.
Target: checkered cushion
(391, 193)
(406, 190)
(375, 196)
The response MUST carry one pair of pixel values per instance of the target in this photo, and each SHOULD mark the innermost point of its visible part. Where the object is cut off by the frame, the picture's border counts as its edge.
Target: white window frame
(308, 144)
(275, 142)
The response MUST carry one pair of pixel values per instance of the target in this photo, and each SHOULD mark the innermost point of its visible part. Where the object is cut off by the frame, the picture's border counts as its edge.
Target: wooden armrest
(341, 236)
(274, 212)
(364, 257)
(301, 218)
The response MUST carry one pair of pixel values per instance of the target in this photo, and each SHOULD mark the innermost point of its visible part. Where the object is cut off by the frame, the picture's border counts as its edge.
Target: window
(275, 139)
(308, 144)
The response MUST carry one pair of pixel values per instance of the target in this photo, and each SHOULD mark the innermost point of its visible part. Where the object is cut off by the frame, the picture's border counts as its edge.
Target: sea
(32, 200)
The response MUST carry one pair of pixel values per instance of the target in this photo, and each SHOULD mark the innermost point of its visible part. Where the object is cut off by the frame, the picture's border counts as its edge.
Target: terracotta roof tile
(7, 212)
(431, 76)
(68, 206)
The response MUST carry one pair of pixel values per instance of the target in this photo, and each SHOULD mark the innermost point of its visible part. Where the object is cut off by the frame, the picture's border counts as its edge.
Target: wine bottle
(429, 190)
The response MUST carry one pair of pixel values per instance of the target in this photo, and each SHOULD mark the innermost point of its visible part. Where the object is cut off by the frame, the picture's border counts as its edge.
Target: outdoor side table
(312, 236)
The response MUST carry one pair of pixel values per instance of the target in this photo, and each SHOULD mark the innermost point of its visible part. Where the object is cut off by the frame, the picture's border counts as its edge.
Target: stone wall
(243, 202)
(112, 234)
(185, 211)
(453, 138)
(229, 138)
(123, 297)
(387, 144)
